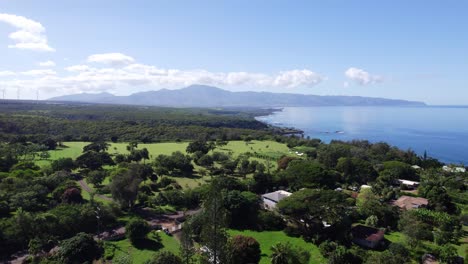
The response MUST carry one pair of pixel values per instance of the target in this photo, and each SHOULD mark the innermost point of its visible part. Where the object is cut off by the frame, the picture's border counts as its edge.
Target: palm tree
(280, 253)
(285, 253)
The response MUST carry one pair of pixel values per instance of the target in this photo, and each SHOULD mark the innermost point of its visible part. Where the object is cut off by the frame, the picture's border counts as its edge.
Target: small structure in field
(409, 203)
(271, 199)
(367, 236)
(410, 185)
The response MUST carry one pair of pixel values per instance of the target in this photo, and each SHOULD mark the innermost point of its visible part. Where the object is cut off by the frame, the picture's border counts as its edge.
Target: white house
(454, 169)
(409, 184)
(271, 199)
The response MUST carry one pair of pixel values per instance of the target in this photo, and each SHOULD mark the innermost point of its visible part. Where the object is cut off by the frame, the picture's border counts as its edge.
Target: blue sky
(415, 50)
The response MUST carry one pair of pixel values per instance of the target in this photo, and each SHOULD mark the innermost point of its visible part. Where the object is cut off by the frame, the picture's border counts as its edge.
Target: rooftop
(368, 233)
(276, 196)
(408, 202)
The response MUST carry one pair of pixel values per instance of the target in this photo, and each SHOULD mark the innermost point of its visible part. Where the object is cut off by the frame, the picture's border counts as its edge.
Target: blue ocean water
(441, 131)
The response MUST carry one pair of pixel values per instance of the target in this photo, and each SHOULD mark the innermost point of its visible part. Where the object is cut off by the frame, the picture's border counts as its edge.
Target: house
(454, 169)
(365, 186)
(408, 202)
(416, 167)
(271, 199)
(410, 185)
(367, 236)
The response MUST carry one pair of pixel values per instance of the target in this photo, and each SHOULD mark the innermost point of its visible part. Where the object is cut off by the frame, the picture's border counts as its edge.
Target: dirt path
(86, 187)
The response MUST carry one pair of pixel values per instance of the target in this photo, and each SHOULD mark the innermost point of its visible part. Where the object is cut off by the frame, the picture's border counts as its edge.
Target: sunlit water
(441, 131)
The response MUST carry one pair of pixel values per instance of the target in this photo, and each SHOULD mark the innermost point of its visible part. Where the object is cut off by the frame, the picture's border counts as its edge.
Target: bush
(165, 257)
(79, 249)
(271, 221)
(136, 230)
(244, 249)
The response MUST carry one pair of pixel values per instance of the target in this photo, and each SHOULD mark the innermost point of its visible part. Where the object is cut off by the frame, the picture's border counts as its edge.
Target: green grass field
(427, 246)
(270, 238)
(268, 148)
(124, 247)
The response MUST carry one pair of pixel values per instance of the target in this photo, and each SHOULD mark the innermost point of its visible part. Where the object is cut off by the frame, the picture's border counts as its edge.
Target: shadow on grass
(147, 244)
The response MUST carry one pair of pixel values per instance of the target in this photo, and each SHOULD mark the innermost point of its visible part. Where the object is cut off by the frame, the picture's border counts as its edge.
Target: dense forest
(38, 121)
(209, 200)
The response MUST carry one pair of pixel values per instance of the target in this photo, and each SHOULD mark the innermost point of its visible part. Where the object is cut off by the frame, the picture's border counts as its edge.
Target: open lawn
(266, 152)
(270, 149)
(427, 246)
(140, 255)
(270, 238)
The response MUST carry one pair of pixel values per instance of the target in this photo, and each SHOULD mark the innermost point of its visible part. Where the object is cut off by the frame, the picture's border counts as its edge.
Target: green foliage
(94, 160)
(285, 253)
(127, 123)
(136, 230)
(356, 170)
(448, 254)
(80, 248)
(124, 186)
(308, 174)
(268, 220)
(96, 177)
(165, 257)
(176, 164)
(244, 249)
(66, 164)
(307, 209)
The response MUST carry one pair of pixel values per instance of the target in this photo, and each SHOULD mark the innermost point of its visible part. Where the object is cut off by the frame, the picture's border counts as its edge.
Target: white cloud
(39, 72)
(6, 73)
(30, 34)
(296, 78)
(78, 68)
(362, 77)
(48, 63)
(135, 77)
(111, 58)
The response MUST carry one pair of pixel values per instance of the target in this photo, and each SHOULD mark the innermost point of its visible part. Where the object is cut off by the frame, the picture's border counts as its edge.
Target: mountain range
(208, 96)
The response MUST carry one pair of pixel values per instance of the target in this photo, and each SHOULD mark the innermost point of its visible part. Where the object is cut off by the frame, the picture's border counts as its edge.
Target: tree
(96, 146)
(356, 170)
(205, 161)
(94, 160)
(187, 247)
(308, 174)
(50, 144)
(199, 145)
(284, 162)
(66, 164)
(285, 253)
(308, 209)
(244, 249)
(136, 230)
(165, 257)
(242, 207)
(79, 249)
(213, 233)
(72, 195)
(448, 254)
(414, 229)
(96, 177)
(176, 164)
(124, 187)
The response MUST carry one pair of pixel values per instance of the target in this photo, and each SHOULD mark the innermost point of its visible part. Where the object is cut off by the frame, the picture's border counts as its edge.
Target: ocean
(441, 131)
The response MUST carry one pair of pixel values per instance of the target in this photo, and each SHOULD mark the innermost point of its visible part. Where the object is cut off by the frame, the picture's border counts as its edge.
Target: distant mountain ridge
(208, 96)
